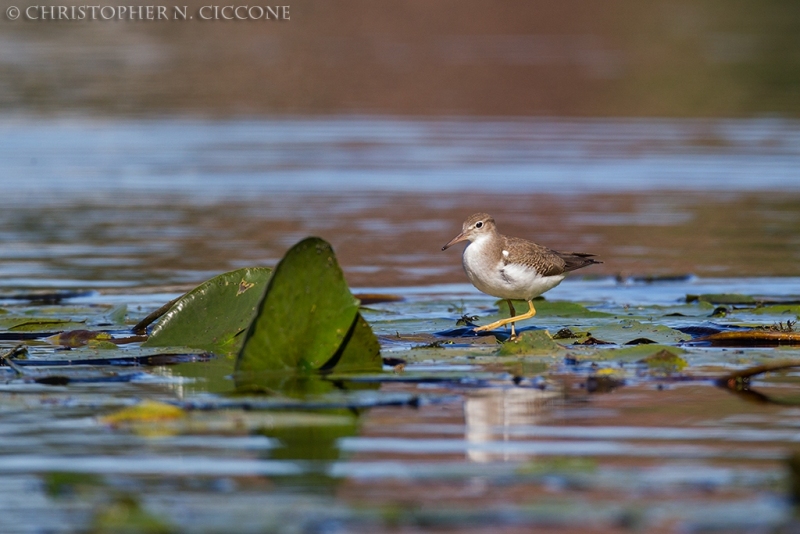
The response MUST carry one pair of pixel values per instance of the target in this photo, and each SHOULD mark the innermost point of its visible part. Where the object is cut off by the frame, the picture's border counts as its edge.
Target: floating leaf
(118, 314)
(39, 324)
(640, 341)
(636, 352)
(664, 361)
(629, 330)
(78, 338)
(565, 333)
(792, 310)
(101, 356)
(531, 342)
(722, 298)
(307, 316)
(215, 315)
(147, 411)
(591, 340)
(554, 308)
(751, 338)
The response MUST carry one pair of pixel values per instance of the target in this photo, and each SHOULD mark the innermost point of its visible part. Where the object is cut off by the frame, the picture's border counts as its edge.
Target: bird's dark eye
(479, 224)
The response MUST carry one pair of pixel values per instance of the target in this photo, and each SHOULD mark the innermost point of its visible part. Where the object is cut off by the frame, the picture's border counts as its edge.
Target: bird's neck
(485, 243)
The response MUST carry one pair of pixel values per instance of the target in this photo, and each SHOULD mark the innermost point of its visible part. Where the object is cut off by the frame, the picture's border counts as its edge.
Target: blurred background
(578, 58)
(661, 135)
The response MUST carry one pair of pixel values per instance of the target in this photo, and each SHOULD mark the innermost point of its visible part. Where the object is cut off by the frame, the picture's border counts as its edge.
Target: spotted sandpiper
(512, 268)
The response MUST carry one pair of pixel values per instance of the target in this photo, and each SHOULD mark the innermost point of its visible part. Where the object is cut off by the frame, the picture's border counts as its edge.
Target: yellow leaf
(146, 411)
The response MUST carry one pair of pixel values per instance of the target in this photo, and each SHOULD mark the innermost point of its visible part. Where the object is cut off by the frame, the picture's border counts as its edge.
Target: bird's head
(475, 227)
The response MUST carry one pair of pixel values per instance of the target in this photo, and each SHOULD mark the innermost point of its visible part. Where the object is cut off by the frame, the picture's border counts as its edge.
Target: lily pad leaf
(360, 353)
(214, 315)
(751, 338)
(533, 342)
(722, 298)
(664, 362)
(78, 338)
(552, 308)
(40, 324)
(629, 330)
(306, 315)
(792, 310)
(144, 412)
(638, 353)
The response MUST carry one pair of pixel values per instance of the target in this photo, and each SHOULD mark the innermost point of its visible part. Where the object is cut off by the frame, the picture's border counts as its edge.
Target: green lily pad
(637, 353)
(118, 314)
(721, 298)
(214, 315)
(362, 352)
(629, 330)
(39, 324)
(664, 362)
(752, 338)
(791, 310)
(551, 308)
(307, 315)
(533, 342)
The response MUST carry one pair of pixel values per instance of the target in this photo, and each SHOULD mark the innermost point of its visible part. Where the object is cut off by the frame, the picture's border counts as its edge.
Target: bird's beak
(456, 239)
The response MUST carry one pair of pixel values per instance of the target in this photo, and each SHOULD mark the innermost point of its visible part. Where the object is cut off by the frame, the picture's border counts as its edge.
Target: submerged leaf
(147, 411)
(214, 315)
(124, 514)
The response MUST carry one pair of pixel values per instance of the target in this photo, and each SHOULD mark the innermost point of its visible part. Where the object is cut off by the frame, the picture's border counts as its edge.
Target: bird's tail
(577, 260)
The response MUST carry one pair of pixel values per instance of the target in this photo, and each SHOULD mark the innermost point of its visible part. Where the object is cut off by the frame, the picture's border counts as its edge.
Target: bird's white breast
(495, 276)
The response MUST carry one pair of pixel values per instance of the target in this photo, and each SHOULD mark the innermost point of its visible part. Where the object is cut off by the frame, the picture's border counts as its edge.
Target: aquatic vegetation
(276, 379)
(215, 315)
(308, 319)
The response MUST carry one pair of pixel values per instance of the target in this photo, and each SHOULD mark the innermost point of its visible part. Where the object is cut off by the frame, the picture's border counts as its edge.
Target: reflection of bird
(512, 268)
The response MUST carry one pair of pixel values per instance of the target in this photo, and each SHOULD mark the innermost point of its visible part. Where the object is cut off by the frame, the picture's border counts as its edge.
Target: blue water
(53, 158)
(138, 211)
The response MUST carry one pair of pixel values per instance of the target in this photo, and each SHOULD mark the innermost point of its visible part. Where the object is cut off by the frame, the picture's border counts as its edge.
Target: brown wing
(546, 262)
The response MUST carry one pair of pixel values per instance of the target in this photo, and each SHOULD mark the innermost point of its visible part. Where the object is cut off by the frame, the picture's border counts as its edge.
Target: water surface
(136, 212)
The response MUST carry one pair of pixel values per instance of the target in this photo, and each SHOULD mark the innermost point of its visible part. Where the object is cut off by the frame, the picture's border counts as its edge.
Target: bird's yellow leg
(497, 324)
(513, 313)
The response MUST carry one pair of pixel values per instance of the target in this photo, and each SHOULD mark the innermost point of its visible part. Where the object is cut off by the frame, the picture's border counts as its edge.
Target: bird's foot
(496, 324)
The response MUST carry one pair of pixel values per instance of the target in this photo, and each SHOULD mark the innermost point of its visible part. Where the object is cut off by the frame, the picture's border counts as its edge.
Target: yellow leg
(497, 324)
